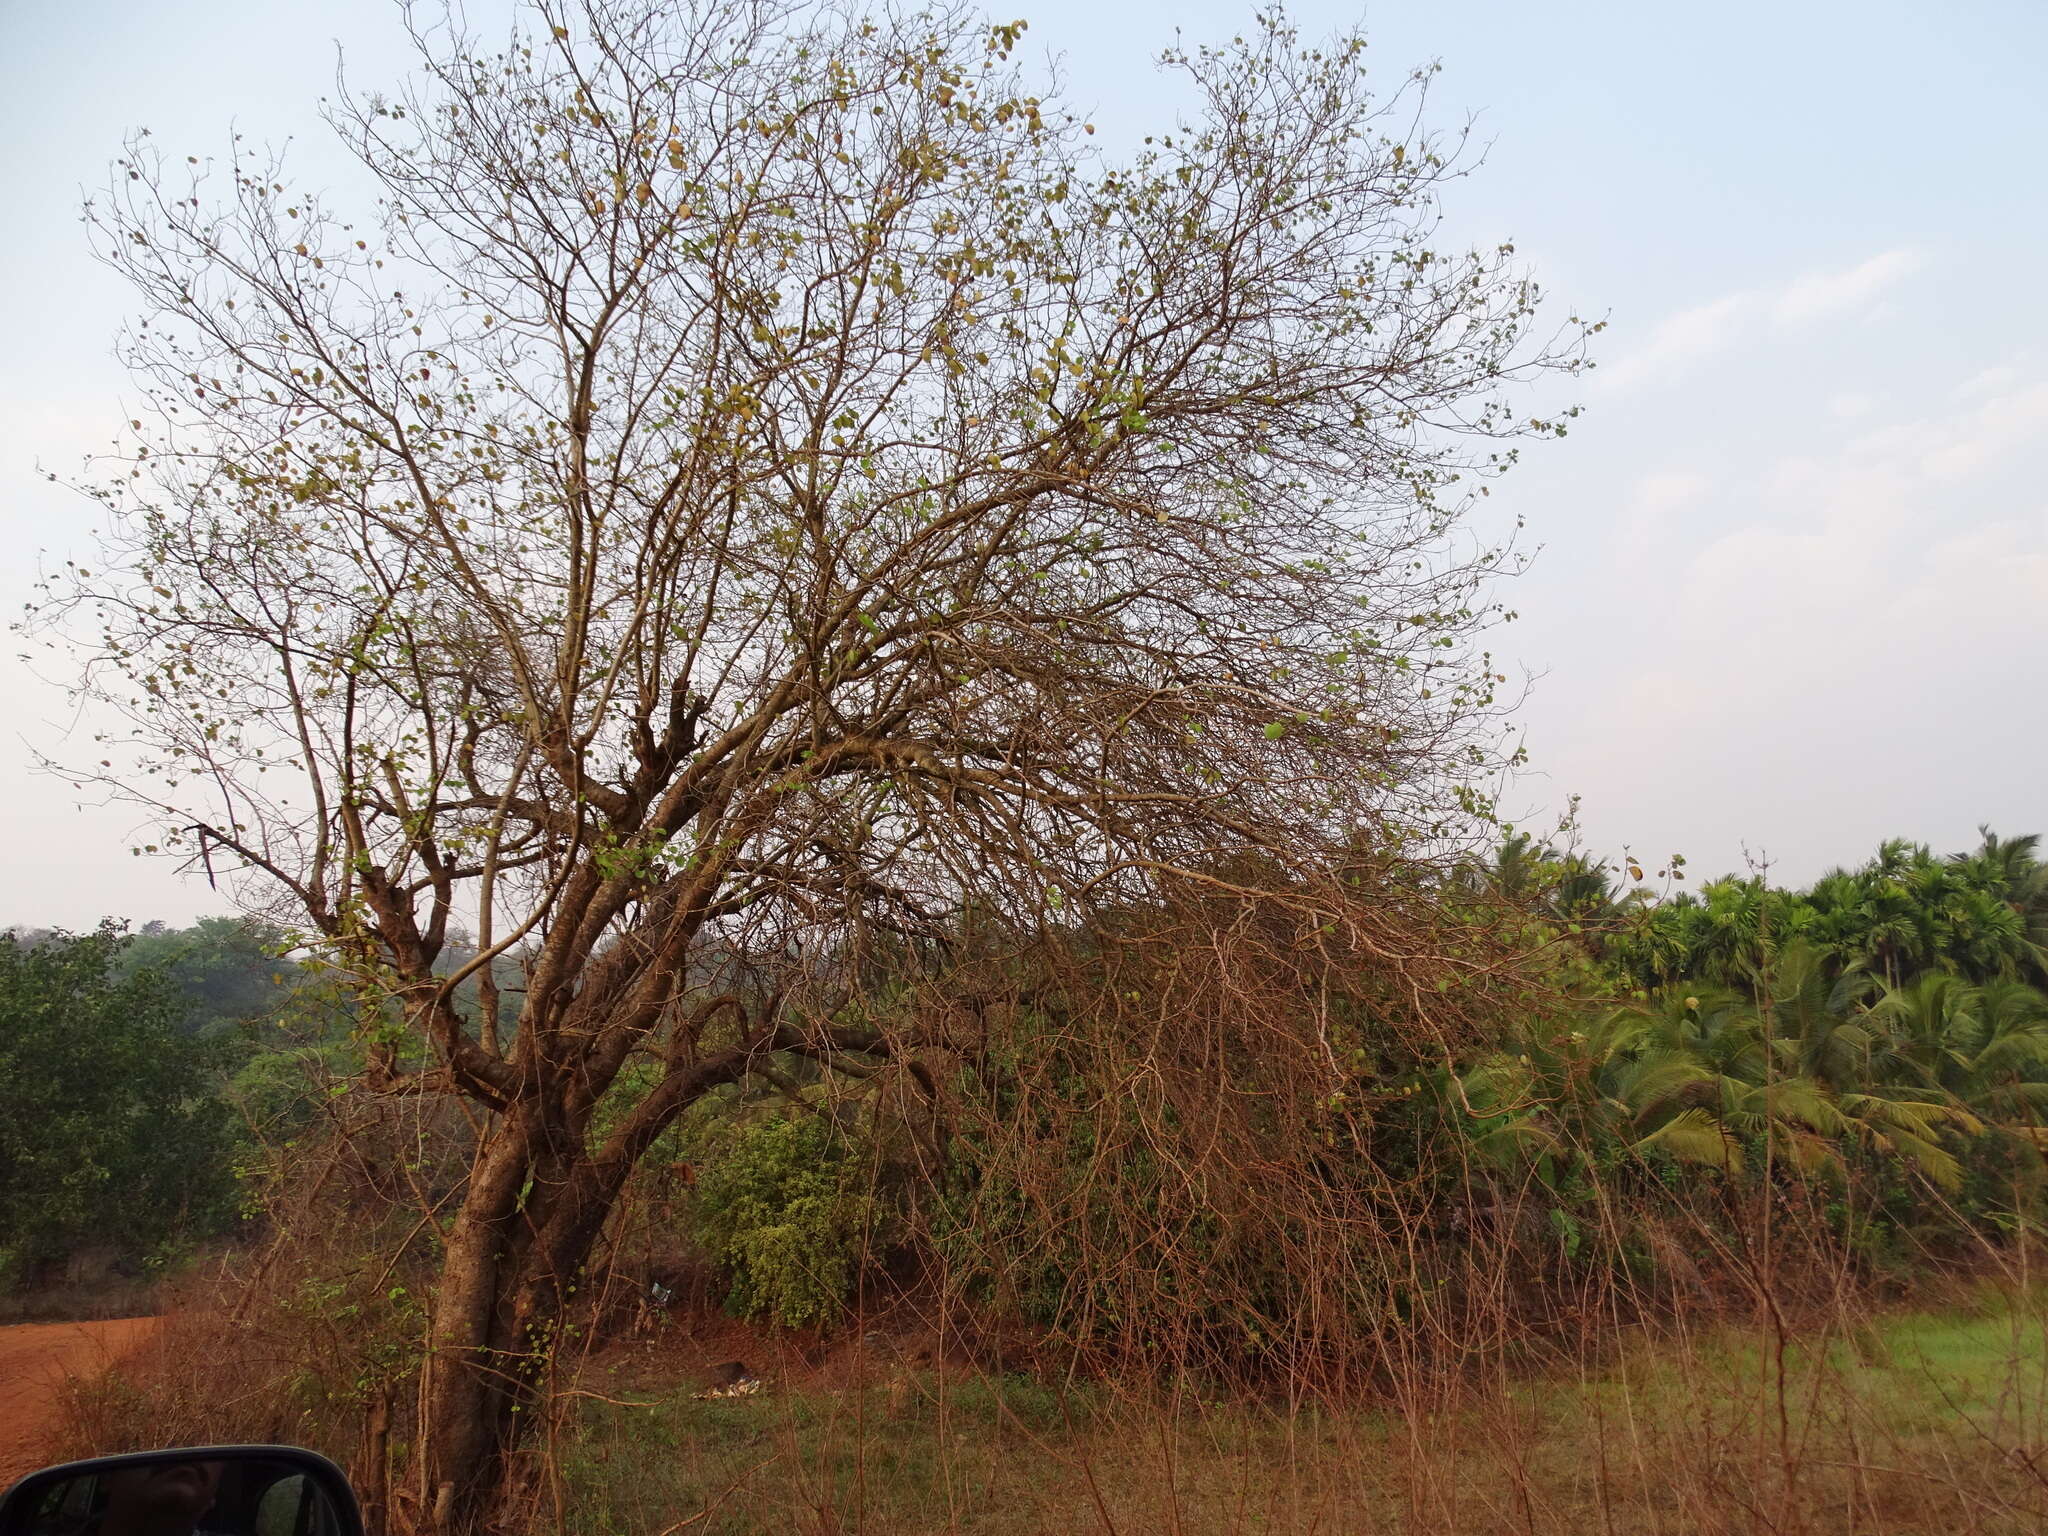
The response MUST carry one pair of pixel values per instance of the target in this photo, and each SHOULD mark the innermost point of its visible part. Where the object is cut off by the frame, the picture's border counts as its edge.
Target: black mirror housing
(211, 1490)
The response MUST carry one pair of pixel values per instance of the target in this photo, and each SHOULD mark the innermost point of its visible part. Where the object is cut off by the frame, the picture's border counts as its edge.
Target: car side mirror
(215, 1490)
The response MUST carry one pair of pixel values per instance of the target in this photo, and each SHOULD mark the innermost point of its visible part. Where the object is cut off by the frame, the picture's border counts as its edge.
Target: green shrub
(785, 1209)
(112, 1133)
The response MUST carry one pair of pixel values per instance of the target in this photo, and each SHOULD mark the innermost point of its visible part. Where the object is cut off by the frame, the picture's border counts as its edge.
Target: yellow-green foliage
(786, 1212)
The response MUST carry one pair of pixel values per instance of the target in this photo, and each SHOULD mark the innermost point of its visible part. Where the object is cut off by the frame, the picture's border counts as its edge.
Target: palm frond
(1696, 1136)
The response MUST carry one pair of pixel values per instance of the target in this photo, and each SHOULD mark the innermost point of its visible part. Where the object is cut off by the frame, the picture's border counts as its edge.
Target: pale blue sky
(1793, 591)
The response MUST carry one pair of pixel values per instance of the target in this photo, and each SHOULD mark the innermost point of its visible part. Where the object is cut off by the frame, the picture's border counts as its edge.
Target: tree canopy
(762, 482)
(111, 1132)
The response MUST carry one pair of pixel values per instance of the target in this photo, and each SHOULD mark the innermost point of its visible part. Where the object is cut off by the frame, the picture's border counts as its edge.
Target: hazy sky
(1793, 587)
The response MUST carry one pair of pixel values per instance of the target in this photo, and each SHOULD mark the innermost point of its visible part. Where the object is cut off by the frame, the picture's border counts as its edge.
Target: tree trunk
(538, 1199)
(468, 1387)
(536, 1205)
(498, 1318)
(373, 1465)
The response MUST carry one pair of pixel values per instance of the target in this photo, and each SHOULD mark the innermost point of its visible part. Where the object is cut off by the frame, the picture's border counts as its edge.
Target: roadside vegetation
(1757, 1227)
(1920, 1421)
(864, 730)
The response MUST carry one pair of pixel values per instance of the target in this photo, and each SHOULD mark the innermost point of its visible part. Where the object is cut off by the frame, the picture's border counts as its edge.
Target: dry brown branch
(760, 491)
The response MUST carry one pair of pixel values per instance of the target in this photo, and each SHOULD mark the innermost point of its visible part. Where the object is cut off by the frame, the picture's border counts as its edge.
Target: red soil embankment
(36, 1359)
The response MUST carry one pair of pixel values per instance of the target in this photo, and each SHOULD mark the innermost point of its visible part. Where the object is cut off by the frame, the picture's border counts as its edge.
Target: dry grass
(1816, 1413)
(1934, 1420)
(1928, 1420)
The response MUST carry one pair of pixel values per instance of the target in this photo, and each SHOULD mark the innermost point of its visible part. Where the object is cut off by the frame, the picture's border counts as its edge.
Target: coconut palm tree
(2011, 865)
(1983, 935)
(1813, 1028)
(2011, 869)
(1729, 930)
(1922, 1030)
(1515, 869)
(1834, 916)
(1995, 1055)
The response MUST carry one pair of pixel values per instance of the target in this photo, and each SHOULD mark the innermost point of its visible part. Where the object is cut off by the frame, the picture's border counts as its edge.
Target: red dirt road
(35, 1361)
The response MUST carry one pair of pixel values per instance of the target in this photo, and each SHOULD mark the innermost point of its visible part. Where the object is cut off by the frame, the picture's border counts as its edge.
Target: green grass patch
(1917, 1422)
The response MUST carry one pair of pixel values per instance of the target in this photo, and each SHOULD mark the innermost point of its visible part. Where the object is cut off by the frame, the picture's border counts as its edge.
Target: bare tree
(763, 478)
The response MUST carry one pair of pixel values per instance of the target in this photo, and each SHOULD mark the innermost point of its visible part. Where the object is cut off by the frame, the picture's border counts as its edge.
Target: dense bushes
(1191, 1142)
(784, 1205)
(111, 1132)
(1168, 1156)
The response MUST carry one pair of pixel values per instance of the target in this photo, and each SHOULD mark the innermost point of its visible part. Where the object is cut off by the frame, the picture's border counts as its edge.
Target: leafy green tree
(1980, 916)
(229, 971)
(110, 1131)
(2010, 870)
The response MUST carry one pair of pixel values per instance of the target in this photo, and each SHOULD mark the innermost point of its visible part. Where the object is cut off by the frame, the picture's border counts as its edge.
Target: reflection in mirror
(248, 1496)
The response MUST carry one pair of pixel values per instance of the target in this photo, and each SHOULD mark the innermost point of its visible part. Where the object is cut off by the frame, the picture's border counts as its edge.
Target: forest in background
(1882, 1032)
(1867, 1055)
